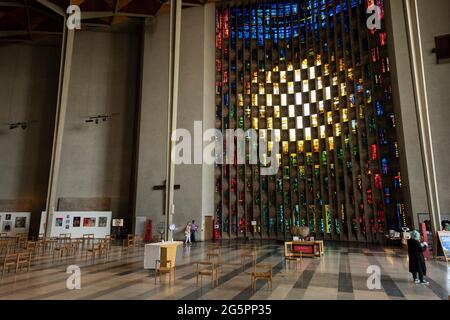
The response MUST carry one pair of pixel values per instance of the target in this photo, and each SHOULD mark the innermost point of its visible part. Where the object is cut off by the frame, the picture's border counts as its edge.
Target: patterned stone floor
(341, 274)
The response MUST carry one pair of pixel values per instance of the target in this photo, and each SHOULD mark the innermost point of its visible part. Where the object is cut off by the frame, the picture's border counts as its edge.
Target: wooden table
(304, 248)
(152, 252)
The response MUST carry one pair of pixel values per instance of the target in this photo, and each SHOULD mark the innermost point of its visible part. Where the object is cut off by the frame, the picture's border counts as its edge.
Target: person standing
(187, 233)
(194, 228)
(417, 264)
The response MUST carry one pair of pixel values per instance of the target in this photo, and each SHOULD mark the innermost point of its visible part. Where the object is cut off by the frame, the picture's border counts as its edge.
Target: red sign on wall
(148, 231)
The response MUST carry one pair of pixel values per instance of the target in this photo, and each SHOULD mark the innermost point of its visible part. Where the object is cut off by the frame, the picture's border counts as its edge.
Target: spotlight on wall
(16, 125)
(97, 119)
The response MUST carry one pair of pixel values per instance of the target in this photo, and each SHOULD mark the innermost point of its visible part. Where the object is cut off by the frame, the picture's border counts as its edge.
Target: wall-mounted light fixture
(97, 119)
(16, 125)
(442, 49)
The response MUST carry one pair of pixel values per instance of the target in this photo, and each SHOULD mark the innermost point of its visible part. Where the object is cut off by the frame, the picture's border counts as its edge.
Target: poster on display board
(78, 223)
(13, 223)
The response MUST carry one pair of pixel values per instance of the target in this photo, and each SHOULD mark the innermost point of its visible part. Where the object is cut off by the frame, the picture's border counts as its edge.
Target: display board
(13, 223)
(444, 239)
(78, 223)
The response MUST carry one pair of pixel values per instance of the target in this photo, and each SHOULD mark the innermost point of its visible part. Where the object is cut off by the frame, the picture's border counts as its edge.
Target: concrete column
(63, 93)
(174, 67)
(422, 106)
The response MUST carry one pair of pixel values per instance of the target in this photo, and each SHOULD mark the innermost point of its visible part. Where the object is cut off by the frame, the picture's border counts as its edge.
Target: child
(187, 233)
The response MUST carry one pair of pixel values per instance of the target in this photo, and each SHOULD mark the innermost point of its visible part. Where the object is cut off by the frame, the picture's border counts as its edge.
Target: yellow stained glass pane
(316, 145)
(269, 99)
(284, 99)
(335, 80)
(330, 117)
(314, 122)
(276, 88)
(292, 135)
(270, 123)
(299, 122)
(297, 75)
(254, 100)
(337, 130)
(318, 60)
(321, 106)
(306, 111)
(277, 135)
(341, 64)
(262, 89)
(283, 76)
(276, 111)
(343, 91)
(350, 73)
(284, 123)
(291, 111)
(305, 64)
(326, 69)
(308, 134)
(291, 87)
(305, 86)
(285, 147)
(319, 83)
(255, 123)
(298, 98)
(300, 146)
(331, 143)
(327, 93)
(262, 112)
(290, 66)
(322, 132)
(255, 77)
(345, 115)
(313, 98)
(241, 100)
(268, 76)
(312, 73)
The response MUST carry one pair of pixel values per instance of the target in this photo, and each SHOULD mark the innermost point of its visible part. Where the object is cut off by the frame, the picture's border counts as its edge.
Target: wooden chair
(87, 239)
(95, 249)
(251, 255)
(262, 272)
(207, 268)
(9, 261)
(31, 246)
(60, 250)
(23, 260)
(164, 267)
(22, 241)
(291, 257)
(129, 242)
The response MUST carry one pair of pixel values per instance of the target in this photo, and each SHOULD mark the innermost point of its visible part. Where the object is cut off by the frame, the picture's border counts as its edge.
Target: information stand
(444, 244)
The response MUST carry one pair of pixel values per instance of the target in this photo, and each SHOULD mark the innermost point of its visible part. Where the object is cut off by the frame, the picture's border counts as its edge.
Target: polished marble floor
(341, 274)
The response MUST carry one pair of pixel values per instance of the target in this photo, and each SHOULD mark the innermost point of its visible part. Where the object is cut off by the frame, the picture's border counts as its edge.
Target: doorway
(208, 228)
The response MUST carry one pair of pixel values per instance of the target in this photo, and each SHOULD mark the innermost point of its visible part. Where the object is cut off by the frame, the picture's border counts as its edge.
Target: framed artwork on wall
(89, 222)
(6, 226)
(76, 222)
(8, 217)
(102, 222)
(20, 222)
(58, 222)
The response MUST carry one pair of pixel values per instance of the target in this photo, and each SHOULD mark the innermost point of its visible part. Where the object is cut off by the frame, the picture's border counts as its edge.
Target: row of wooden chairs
(211, 268)
(18, 261)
